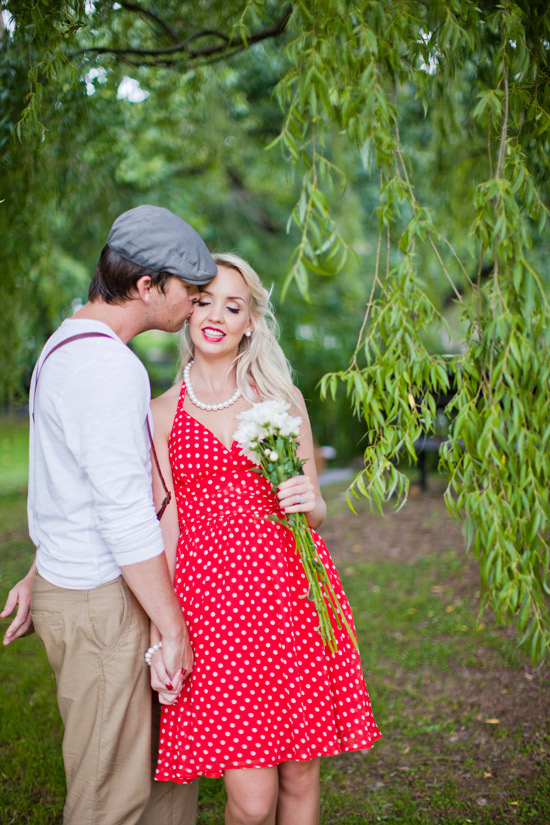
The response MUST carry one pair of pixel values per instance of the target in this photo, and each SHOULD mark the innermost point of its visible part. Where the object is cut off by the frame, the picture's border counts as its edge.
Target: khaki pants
(95, 640)
(169, 803)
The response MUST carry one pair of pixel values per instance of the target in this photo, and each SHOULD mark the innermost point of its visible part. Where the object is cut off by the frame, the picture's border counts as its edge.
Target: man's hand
(20, 597)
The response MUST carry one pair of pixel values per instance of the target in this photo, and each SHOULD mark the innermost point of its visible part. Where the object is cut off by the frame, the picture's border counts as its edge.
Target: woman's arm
(304, 487)
(164, 409)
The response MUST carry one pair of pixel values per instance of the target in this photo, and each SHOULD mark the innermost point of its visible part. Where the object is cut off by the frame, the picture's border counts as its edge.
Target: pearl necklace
(200, 404)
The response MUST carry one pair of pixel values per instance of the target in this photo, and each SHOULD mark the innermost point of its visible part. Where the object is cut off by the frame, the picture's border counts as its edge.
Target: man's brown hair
(115, 278)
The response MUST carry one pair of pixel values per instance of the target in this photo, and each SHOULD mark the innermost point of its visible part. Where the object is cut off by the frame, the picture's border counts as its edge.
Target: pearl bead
(149, 653)
(200, 404)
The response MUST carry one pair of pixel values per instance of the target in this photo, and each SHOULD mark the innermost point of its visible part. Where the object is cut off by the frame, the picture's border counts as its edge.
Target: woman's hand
(169, 688)
(297, 495)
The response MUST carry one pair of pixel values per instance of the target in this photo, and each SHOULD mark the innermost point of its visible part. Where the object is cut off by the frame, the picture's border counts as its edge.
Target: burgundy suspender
(62, 344)
(167, 492)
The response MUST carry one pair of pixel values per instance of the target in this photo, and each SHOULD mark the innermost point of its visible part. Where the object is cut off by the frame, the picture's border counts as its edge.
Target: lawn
(14, 448)
(463, 714)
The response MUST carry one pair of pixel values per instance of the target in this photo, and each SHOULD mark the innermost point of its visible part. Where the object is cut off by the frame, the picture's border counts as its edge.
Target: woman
(264, 699)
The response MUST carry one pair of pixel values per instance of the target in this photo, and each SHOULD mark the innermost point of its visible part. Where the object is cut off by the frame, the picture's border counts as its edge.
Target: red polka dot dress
(263, 689)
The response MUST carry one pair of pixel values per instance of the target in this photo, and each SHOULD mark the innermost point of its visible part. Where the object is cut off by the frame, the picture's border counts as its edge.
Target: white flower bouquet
(267, 435)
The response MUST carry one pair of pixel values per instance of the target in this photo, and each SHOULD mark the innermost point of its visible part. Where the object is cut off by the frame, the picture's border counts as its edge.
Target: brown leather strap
(62, 344)
(168, 494)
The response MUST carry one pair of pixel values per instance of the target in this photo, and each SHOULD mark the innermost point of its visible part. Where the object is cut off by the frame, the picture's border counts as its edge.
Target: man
(100, 573)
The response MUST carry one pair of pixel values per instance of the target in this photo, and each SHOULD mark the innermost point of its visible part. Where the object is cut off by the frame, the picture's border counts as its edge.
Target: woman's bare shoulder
(299, 402)
(164, 406)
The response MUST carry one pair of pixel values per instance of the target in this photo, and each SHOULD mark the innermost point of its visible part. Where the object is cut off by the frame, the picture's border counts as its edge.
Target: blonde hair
(262, 367)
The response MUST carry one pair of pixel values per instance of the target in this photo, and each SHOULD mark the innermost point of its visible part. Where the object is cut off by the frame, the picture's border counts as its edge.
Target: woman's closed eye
(202, 302)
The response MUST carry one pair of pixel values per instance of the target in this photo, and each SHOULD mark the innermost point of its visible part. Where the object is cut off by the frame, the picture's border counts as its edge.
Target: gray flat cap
(158, 239)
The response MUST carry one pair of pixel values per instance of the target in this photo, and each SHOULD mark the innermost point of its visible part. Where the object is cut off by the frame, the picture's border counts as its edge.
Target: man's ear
(144, 288)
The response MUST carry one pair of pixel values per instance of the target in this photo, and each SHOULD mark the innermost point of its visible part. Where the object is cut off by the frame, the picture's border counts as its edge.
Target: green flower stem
(320, 590)
(318, 581)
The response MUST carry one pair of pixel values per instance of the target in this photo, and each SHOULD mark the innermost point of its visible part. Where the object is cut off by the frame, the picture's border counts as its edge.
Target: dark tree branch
(205, 33)
(160, 56)
(250, 207)
(146, 13)
(177, 61)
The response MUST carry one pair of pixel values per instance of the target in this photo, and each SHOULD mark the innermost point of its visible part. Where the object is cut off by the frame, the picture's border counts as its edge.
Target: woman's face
(221, 314)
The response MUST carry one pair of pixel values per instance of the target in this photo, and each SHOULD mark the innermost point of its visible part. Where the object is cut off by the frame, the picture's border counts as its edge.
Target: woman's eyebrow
(229, 297)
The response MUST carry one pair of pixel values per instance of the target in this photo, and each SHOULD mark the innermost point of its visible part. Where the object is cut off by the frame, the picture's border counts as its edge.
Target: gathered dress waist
(231, 495)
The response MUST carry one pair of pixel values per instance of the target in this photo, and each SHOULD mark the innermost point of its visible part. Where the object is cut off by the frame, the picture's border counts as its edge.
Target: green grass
(14, 451)
(436, 680)
(30, 729)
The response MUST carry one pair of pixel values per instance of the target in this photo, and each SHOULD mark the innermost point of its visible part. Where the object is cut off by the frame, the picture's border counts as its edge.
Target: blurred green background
(112, 133)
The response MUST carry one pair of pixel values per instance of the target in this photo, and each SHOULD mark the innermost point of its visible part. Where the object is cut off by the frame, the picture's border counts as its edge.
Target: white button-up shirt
(90, 504)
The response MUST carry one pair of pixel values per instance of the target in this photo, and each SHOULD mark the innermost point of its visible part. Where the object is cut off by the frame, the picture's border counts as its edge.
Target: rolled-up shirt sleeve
(105, 425)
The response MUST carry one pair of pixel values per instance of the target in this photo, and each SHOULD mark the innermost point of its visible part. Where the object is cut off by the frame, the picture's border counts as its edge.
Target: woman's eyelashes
(200, 303)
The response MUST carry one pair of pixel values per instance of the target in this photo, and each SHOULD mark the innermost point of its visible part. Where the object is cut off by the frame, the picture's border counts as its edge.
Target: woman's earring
(248, 333)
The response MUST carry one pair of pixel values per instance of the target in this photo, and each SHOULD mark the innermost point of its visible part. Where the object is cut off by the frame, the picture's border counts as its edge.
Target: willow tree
(469, 208)
(482, 71)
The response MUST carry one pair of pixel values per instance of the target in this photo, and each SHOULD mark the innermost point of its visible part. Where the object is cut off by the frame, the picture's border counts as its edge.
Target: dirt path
(420, 528)
(497, 712)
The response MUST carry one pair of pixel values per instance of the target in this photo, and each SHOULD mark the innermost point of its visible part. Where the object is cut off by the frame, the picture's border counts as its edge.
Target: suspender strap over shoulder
(80, 335)
(57, 346)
